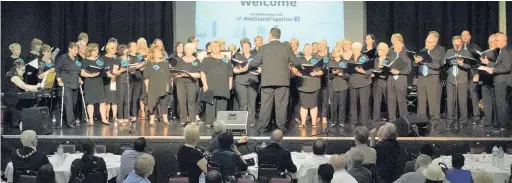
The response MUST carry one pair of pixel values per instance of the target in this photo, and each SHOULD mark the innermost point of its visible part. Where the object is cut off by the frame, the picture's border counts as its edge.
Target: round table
(63, 171)
(481, 162)
(298, 159)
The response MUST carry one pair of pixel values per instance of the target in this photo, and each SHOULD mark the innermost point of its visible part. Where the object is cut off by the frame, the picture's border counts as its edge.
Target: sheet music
(54, 53)
(34, 63)
(44, 78)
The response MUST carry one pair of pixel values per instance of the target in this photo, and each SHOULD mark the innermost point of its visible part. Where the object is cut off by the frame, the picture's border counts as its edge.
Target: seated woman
(190, 159)
(228, 157)
(13, 85)
(92, 168)
(143, 168)
(27, 157)
(46, 174)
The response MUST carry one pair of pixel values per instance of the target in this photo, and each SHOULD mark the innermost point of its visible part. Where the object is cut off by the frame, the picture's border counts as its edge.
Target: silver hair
(144, 165)
(356, 157)
(388, 131)
(361, 134)
(422, 161)
(219, 126)
(28, 138)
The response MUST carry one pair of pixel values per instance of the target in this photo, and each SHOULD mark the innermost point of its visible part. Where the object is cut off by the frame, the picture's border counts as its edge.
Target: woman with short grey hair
(390, 156)
(27, 157)
(143, 168)
(191, 160)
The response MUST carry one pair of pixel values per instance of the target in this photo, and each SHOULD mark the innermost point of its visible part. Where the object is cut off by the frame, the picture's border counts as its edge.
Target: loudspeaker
(413, 125)
(37, 119)
(236, 121)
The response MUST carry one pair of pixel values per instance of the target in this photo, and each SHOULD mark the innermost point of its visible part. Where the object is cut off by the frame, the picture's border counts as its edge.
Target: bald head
(277, 136)
(322, 45)
(492, 42)
(501, 40)
(466, 36)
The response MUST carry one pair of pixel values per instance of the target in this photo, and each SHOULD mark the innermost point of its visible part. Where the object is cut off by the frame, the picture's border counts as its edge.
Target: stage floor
(142, 128)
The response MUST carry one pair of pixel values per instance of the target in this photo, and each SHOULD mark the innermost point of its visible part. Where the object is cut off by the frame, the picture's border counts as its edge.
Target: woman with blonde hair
(142, 47)
(93, 82)
(142, 52)
(109, 60)
(158, 82)
(187, 84)
(159, 43)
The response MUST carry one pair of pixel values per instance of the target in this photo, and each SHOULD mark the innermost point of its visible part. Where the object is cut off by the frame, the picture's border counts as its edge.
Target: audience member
(325, 173)
(5, 154)
(129, 157)
(421, 163)
(361, 134)
(228, 157)
(311, 164)
(482, 177)
(190, 159)
(360, 173)
(275, 154)
(426, 149)
(143, 168)
(434, 174)
(456, 174)
(92, 167)
(219, 127)
(390, 157)
(340, 175)
(46, 174)
(213, 176)
(27, 157)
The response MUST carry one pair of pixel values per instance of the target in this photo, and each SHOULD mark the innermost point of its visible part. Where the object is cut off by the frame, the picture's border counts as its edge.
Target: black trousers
(246, 95)
(338, 107)
(474, 94)
(428, 93)
(489, 101)
(219, 104)
(70, 101)
(397, 94)
(187, 98)
(360, 96)
(273, 96)
(457, 92)
(500, 92)
(123, 105)
(137, 95)
(379, 94)
(324, 102)
(294, 107)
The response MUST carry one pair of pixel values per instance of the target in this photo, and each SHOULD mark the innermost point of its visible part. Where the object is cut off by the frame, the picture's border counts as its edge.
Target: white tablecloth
(63, 171)
(297, 157)
(482, 162)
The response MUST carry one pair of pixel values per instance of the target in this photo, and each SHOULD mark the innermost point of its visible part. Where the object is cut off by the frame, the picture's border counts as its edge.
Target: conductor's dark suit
(502, 77)
(277, 155)
(274, 58)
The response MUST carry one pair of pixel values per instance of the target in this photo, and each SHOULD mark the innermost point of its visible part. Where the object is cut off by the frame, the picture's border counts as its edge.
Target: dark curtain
(415, 19)
(509, 22)
(58, 23)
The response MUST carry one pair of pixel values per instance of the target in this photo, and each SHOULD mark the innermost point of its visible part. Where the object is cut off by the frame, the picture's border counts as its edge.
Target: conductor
(274, 59)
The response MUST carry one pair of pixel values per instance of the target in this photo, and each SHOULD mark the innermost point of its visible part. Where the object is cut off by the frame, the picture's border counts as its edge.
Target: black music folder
(467, 60)
(206, 97)
(424, 54)
(306, 69)
(94, 69)
(239, 62)
(177, 71)
(371, 53)
(351, 67)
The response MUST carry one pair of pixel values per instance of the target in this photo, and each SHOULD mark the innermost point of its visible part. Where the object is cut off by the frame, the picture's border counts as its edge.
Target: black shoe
(71, 125)
(333, 125)
(499, 130)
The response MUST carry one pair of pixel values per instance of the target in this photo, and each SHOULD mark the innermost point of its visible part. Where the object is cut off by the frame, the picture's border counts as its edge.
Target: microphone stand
(327, 132)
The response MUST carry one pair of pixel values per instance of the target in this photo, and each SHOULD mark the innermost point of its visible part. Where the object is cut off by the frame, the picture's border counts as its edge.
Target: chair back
(476, 148)
(69, 147)
(100, 148)
(243, 177)
(124, 147)
(24, 176)
(178, 177)
(308, 149)
(266, 172)
(283, 178)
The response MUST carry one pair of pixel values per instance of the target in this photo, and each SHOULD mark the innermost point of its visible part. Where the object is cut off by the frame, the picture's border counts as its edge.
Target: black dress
(30, 76)
(94, 90)
(7, 64)
(308, 88)
(218, 72)
(110, 95)
(159, 77)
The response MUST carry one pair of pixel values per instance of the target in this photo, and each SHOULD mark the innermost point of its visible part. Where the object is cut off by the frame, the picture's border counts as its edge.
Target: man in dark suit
(276, 155)
(501, 69)
(428, 77)
(397, 82)
(473, 78)
(274, 59)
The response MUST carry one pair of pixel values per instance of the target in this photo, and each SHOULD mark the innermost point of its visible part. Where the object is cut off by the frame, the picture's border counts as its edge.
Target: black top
(486, 78)
(310, 83)
(246, 78)
(159, 76)
(338, 83)
(68, 71)
(277, 155)
(325, 60)
(401, 61)
(137, 74)
(188, 158)
(358, 80)
(388, 152)
(463, 71)
(217, 73)
(502, 66)
(122, 77)
(31, 160)
(229, 162)
(192, 67)
(108, 64)
(93, 169)
(437, 54)
(7, 64)
(274, 59)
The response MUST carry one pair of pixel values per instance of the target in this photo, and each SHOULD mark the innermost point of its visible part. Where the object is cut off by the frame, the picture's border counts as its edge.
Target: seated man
(457, 174)
(311, 164)
(275, 154)
(422, 163)
(27, 157)
(426, 149)
(228, 156)
(356, 170)
(129, 157)
(325, 173)
(340, 175)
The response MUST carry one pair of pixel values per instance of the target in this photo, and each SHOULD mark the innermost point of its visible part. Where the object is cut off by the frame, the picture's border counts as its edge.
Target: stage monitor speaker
(236, 121)
(413, 125)
(37, 119)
